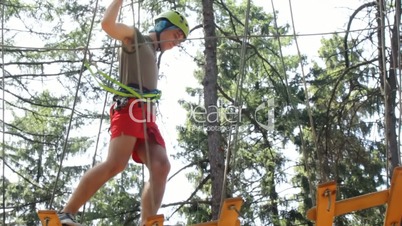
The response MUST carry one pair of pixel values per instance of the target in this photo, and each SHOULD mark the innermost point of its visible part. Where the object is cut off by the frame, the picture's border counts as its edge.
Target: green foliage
(255, 165)
(344, 104)
(34, 157)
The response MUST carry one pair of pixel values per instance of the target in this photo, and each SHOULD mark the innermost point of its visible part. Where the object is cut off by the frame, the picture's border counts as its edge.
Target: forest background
(331, 67)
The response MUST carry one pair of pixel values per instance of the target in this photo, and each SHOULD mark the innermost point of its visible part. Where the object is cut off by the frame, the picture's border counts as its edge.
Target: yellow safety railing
(327, 208)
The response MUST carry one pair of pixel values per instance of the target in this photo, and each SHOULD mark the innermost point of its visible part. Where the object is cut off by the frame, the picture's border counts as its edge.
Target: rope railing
(199, 39)
(86, 51)
(233, 141)
(3, 149)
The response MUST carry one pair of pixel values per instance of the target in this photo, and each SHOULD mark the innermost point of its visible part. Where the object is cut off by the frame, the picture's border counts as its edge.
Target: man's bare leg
(154, 189)
(120, 150)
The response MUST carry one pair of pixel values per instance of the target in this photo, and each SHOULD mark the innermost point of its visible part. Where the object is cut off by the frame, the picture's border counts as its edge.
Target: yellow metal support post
(209, 223)
(156, 220)
(326, 196)
(394, 211)
(229, 214)
(49, 218)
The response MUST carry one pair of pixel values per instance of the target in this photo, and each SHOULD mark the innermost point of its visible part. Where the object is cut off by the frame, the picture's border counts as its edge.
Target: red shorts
(129, 120)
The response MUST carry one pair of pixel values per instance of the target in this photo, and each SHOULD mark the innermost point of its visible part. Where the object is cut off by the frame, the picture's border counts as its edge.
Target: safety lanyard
(127, 91)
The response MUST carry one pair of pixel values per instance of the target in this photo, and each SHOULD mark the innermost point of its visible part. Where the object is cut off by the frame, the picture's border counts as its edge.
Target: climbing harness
(130, 91)
(149, 96)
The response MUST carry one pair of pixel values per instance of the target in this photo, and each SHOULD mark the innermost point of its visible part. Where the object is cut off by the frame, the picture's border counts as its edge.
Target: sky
(310, 17)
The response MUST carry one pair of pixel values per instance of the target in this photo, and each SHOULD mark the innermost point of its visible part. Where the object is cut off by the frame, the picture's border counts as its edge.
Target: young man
(127, 127)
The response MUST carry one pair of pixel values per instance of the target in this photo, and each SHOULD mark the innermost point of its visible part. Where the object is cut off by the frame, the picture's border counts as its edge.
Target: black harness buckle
(120, 102)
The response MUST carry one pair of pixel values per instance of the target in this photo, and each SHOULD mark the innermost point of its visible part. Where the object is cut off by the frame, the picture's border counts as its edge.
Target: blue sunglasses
(164, 24)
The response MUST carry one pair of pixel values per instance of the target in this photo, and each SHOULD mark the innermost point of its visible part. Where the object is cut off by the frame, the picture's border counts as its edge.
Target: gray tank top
(147, 70)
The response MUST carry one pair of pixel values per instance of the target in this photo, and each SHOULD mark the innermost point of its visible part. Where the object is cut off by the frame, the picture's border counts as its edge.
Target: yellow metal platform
(228, 217)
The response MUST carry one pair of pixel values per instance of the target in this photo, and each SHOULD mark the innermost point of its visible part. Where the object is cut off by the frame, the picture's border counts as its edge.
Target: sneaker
(67, 219)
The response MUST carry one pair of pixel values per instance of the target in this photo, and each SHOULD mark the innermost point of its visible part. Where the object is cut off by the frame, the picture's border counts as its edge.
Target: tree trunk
(388, 83)
(215, 155)
(391, 94)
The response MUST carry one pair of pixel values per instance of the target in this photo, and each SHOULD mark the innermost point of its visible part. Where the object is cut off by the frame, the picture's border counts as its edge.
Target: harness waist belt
(146, 93)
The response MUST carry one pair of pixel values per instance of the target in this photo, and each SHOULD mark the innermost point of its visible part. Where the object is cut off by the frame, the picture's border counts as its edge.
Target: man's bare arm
(116, 30)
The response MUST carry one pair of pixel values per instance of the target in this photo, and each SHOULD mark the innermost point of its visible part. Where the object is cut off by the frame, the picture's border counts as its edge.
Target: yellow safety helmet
(174, 18)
